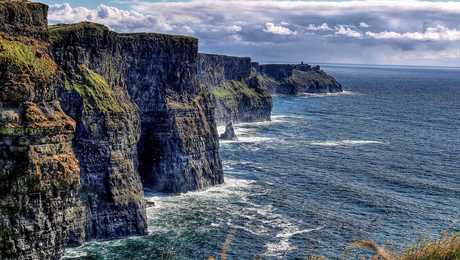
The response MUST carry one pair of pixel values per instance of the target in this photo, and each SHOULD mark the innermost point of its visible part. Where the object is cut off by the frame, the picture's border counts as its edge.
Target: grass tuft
(445, 248)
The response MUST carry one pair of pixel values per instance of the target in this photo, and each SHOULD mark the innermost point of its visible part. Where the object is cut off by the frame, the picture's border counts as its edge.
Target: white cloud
(364, 25)
(233, 28)
(344, 30)
(437, 33)
(322, 27)
(112, 17)
(278, 29)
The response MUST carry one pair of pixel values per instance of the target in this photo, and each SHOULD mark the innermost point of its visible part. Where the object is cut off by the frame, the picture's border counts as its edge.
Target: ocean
(377, 162)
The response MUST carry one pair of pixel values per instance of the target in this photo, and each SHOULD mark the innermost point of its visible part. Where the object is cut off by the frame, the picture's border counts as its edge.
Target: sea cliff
(236, 87)
(39, 171)
(88, 119)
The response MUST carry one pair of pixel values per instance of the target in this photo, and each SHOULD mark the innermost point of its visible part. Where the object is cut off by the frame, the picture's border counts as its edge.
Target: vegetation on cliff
(95, 91)
(232, 89)
(26, 56)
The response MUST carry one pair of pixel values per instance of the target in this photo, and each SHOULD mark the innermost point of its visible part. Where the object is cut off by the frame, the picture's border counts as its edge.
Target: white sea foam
(244, 139)
(220, 129)
(345, 142)
(163, 204)
(344, 93)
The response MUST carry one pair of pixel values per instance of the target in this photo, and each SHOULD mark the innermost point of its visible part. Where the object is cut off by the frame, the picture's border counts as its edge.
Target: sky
(389, 32)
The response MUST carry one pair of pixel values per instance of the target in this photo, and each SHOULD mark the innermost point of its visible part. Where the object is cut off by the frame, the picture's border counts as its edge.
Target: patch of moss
(26, 58)
(96, 92)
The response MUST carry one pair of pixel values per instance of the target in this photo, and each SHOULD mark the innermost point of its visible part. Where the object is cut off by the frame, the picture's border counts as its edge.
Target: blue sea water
(380, 162)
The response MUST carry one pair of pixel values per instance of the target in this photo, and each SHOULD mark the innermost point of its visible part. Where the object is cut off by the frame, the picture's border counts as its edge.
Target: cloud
(112, 17)
(437, 33)
(364, 25)
(326, 31)
(322, 27)
(347, 31)
(278, 29)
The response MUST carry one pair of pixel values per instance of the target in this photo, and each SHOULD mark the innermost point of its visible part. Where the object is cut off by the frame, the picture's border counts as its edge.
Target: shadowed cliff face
(296, 79)
(236, 87)
(92, 92)
(39, 173)
(178, 149)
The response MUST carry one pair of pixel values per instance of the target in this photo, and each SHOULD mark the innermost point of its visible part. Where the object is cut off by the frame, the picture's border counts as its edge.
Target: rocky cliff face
(236, 87)
(178, 145)
(295, 79)
(92, 92)
(39, 173)
(178, 149)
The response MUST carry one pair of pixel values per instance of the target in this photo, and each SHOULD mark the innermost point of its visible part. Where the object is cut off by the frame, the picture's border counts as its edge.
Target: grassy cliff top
(77, 26)
(158, 36)
(59, 32)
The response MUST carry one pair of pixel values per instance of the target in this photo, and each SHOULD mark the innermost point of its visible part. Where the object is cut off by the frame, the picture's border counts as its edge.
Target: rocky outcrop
(92, 92)
(296, 79)
(236, 87)
(39, 173)
(229, 133)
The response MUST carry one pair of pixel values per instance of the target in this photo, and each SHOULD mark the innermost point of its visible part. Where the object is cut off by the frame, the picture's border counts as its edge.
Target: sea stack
(229, 133)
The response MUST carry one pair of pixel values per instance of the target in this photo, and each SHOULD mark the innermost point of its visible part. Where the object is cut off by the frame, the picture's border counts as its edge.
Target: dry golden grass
(446, 248)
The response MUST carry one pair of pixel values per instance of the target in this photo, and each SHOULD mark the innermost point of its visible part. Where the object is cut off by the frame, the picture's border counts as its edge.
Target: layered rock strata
(178, 145)
(39, 172)
(178, 149)
(296, 79)
(236, 87)
(92, 91)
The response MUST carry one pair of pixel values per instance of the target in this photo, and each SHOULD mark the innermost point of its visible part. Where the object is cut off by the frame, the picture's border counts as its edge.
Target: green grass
(231, 89)
(26, 58)
(96, 92)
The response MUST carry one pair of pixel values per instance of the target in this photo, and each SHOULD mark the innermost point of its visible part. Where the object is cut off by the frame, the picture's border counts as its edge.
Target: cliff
(92, 92)
(178, 149)
(295, 79)
(236, 87)
(89, 117)
(39, 173)
(156, 76)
